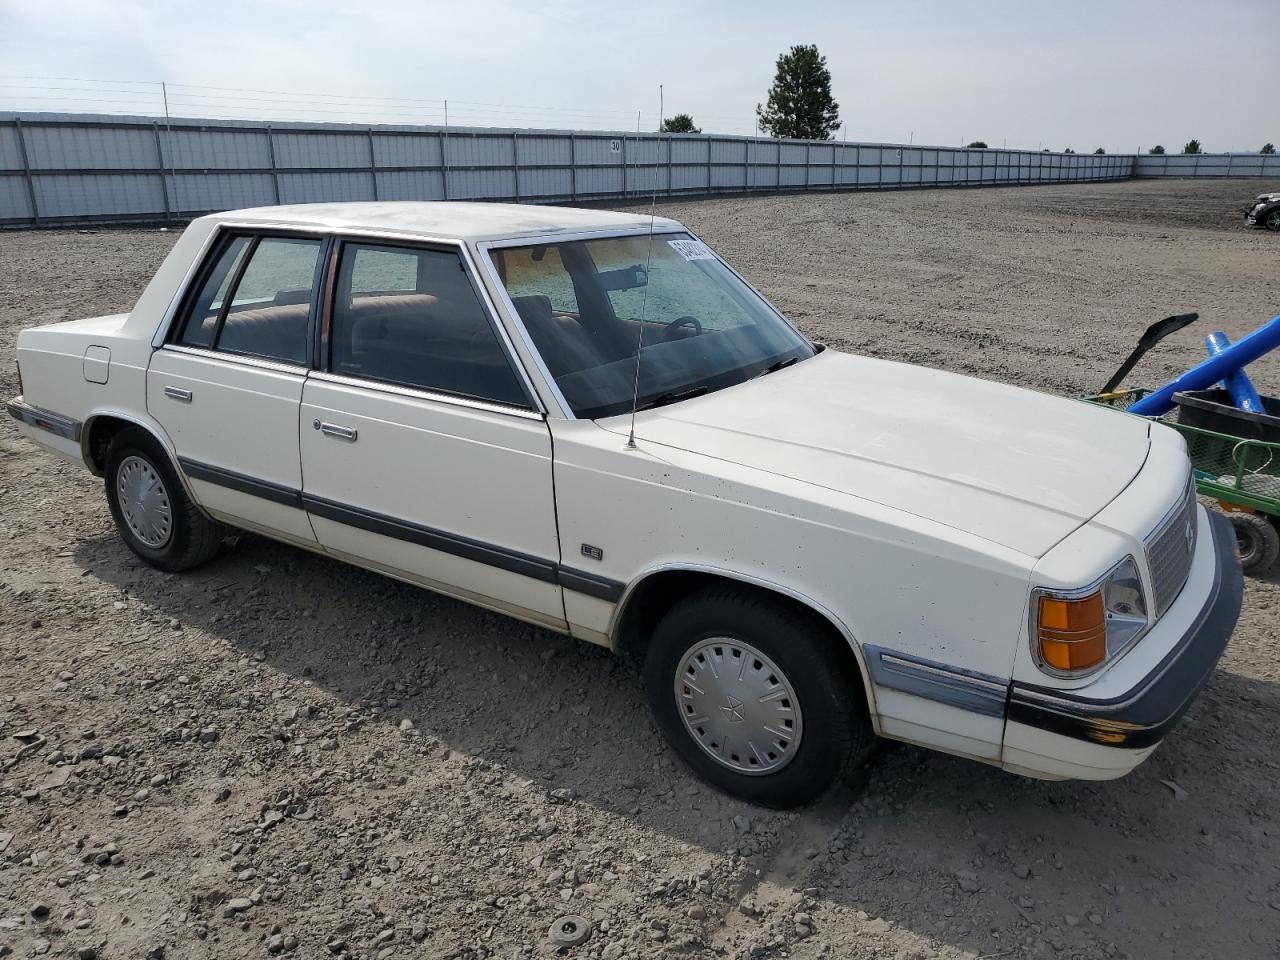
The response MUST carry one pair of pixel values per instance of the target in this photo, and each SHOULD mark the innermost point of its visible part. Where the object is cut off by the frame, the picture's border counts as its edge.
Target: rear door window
(256, 299)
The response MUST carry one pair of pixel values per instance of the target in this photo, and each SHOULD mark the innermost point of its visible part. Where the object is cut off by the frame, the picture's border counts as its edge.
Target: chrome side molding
(953, 686)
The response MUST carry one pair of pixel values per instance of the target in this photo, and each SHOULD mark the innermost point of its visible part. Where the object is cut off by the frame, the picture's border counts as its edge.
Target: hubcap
(144, 502)
(738, 706)
(1245, 546)
(1273, 221)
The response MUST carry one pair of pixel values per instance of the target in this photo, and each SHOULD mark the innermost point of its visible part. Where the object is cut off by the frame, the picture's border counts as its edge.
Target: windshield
(703, 328)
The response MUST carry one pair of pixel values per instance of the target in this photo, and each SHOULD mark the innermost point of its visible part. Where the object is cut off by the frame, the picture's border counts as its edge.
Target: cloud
(1087, 74)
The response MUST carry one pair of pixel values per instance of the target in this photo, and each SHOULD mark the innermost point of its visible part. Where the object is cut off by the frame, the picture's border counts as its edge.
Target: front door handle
(177, 393)
(337, 431)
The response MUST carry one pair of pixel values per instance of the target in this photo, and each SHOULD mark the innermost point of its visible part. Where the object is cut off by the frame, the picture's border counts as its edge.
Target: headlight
(1075, 633)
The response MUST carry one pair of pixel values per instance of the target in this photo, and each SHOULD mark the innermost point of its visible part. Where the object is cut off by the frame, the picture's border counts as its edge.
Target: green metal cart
(1240, 474)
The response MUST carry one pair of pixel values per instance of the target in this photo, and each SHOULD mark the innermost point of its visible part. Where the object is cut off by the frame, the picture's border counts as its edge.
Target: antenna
(644, 297)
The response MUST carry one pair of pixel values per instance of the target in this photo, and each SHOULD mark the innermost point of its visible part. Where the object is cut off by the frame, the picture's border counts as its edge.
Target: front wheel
(1273, 220)
(1257, 540)
(151, 509)
(755, 698)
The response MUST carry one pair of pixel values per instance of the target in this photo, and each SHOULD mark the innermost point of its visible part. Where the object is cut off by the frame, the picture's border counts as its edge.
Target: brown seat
(564, 345)
(279, 332)
(423, 340)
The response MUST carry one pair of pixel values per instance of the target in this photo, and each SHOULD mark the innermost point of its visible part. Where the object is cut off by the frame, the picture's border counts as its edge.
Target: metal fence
(1208, 165)
(68, 168)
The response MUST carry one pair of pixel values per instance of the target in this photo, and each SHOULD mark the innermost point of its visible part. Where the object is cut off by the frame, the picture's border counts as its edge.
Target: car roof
(448, 220)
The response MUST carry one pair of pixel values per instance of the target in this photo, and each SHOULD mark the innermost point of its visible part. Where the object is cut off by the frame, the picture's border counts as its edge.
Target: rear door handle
(337, 431)
(177, 393)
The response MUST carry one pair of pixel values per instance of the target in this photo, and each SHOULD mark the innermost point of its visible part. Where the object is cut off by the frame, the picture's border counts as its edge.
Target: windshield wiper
(775, 367)
(672, 396)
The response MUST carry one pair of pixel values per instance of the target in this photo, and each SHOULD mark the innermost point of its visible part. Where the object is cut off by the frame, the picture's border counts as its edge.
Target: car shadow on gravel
(1065, 865)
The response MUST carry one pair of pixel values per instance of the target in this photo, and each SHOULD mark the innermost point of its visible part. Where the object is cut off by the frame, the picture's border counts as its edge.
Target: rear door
(423, 451)
(228, 384)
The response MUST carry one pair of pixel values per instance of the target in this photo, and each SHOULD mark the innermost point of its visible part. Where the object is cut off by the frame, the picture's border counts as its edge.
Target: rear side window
(256, 300)
(202, 320)
(410, 317)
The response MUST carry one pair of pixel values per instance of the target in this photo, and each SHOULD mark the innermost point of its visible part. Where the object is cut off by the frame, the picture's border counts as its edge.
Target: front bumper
(1257, 216)
(1102, 738)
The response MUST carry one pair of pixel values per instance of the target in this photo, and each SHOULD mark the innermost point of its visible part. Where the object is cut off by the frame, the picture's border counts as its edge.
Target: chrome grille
(1169, 551)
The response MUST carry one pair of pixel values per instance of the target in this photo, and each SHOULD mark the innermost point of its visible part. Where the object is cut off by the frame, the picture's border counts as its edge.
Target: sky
(1117, 74)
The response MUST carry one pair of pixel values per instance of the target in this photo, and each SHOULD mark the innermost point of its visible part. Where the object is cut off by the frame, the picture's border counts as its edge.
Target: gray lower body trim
(538, 568)
(592, 585)
(276, 493)
(54, 423)
(494, 556)
(953, 686)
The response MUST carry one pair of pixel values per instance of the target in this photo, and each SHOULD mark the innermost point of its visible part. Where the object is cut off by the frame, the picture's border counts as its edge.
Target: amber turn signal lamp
(1072, 633)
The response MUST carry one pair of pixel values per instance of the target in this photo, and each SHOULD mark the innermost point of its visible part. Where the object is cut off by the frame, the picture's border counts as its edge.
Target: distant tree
(1099, 151)
(680, 123)
(1192, 146)
(979, 145)
(1268, 148)
(1068, 150)
(1156, 149)
(800, 104)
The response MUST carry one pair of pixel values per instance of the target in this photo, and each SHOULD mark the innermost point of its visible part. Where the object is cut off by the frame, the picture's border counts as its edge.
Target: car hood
(1012, 466)
(1266, 197)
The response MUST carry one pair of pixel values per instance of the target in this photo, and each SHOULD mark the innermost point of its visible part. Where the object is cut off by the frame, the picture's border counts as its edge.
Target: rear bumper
(1103, 738)
(41, 419)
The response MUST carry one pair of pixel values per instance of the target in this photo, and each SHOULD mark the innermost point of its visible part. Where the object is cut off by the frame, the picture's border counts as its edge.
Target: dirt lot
(281, 754)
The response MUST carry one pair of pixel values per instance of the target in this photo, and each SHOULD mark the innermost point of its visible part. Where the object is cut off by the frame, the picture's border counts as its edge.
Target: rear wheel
(151, 509)
(1258, 541)
(755, 698)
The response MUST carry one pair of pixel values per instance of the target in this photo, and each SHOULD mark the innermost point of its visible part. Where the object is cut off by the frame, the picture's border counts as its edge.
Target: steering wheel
(694, 322)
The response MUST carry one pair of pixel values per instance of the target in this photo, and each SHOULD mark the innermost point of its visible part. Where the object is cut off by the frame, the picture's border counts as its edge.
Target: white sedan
(589, 421)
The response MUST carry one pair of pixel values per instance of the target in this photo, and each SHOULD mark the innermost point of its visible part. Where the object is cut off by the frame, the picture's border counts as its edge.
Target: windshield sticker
(692, 249)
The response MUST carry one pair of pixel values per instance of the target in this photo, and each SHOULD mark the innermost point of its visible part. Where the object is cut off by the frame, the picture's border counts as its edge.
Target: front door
(228, 385)
(423, 453)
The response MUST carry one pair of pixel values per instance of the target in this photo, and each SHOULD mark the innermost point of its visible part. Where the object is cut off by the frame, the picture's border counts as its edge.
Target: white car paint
(915, 510)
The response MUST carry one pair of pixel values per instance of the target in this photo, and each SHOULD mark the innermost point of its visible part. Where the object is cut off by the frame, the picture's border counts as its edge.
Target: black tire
(192, 537)
(1258, 541)
(1272, 220)
(836, 730)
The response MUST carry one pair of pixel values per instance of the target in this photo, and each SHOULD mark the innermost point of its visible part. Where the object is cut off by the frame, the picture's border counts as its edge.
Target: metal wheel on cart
(1258, 541)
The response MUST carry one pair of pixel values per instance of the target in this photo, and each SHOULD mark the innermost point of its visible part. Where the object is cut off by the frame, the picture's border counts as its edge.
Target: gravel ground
(279, 754)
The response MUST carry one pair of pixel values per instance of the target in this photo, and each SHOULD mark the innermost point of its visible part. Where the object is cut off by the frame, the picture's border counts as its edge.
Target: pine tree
(680, 123)
(800, 103)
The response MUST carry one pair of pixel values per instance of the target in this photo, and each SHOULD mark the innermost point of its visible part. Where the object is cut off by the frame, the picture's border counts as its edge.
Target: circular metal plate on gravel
(738, 706)
(569, 931)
